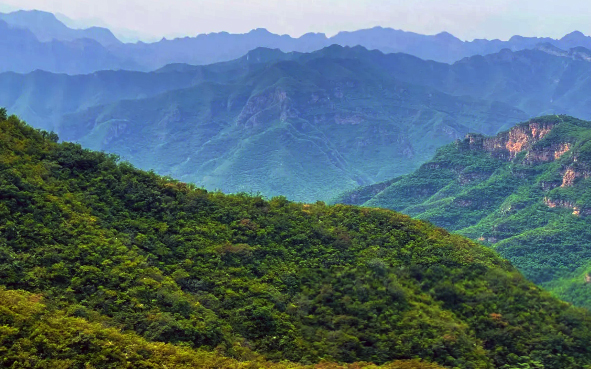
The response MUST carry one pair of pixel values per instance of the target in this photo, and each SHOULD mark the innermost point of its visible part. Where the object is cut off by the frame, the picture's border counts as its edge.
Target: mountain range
(54, 47)
(306, 126)
(46, 27)
(524, 192)
(317, 124)
(107, 266)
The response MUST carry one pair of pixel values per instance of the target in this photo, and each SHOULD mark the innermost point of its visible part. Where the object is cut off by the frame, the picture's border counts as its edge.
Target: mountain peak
(446, 35)
(34, 13)
(264, 55)
(260, 31)
(30, 18)
(47, 27)
(576, 35)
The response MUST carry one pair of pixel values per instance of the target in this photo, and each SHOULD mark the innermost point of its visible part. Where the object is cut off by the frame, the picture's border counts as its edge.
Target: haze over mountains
(52, 46)
(306, 120)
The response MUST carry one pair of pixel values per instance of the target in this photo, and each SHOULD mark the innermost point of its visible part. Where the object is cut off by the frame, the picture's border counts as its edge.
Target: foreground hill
(36, 335)
(107, 245)
(525, 192)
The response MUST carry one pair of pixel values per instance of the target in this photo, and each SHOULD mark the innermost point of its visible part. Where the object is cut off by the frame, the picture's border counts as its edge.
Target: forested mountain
(60, 49)
(307, 126)
(525, 192)
(99, 260)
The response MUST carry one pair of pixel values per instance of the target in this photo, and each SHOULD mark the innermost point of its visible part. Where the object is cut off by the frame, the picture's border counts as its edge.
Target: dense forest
(104, 265)
(524, 192)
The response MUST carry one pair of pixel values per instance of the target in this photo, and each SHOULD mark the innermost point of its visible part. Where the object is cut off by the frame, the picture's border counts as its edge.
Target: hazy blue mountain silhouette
(58, 48)
(24, 53)
(46, 27)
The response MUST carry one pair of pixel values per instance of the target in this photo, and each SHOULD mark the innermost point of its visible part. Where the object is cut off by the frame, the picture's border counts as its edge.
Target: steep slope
(46, 27)
(106, 242)
(306, 128)
(525, 192)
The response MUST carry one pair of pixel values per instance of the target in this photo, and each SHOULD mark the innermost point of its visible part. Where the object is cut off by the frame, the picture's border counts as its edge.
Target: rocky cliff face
(521, 138)
(507, 145)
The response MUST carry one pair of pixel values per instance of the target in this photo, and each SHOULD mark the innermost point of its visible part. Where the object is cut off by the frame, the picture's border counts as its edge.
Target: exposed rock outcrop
(548, 154)
(277, 100)
(567, 205)
(508, 144)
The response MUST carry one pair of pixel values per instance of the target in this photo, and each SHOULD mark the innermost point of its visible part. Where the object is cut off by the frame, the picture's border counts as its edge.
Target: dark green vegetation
(109, 246)
(525, 192)
(35, 335)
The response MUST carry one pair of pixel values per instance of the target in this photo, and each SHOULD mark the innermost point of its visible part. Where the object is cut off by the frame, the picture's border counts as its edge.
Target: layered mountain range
(52, 46)
(524, 192)
(307, 126)
(106, 265)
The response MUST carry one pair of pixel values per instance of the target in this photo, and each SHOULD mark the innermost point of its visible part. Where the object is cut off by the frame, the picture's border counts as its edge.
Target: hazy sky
(467, 19)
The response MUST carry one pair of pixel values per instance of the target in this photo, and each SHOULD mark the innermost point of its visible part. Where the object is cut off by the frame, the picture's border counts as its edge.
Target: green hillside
(110, 249)
(524, 192)
(35, 335)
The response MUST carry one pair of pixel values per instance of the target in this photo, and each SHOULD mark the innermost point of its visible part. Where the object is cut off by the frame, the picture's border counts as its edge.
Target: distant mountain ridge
(46, 27)
(219, 47)
(25, 53)
(299, 125)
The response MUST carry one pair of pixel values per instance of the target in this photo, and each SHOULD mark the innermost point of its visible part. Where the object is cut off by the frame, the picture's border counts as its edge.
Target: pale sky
(466, 19)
